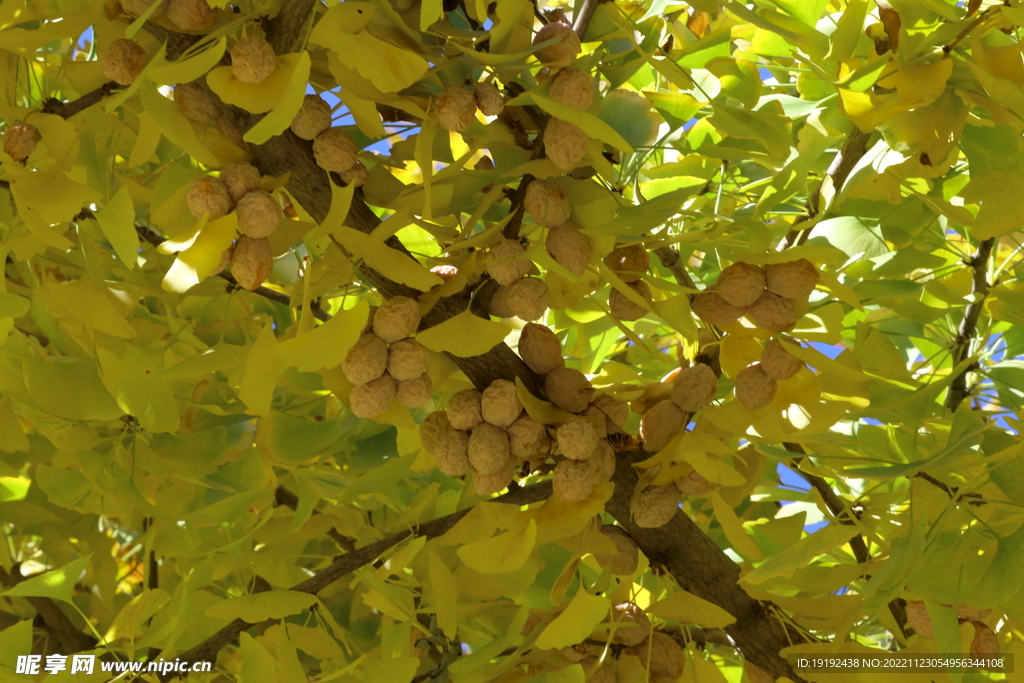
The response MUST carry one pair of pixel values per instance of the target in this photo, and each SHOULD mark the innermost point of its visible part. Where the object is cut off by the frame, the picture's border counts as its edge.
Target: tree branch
(283, 496)
(671, 259)
(855, 147)
(958, 389)
(66, 110)
(582, 20)
(700, 567)
(349, 562)
(843, 515)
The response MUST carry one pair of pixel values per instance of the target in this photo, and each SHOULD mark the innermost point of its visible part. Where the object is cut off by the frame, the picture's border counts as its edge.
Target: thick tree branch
(700, 567)
(586, 14)
(66, 110)
(958, 389)
(855, 147)
(349, 562)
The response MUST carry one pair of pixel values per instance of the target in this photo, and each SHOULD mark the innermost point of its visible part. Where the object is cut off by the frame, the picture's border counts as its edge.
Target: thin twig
(66, 110)
(958, 389)
(671, 259)
(349, 562)
(855, 147)
(283, 496)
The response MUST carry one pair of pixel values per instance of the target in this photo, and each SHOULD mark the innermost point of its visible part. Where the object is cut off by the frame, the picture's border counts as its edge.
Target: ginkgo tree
(498, 341)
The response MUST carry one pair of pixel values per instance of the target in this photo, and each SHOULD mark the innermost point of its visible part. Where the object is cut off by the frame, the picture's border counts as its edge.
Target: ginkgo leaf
(444, 595)
(280, 117)
(801, 553)
(389, 262)
(117, 221)
(464, 335)
(258, 607)
(392, 69)
(262, 371)
(58, 584)
(687, 608)
(326, 345)
(129, 621)
(258, 665)
(501, 554)
(582, 615)
(189, 69)
(733, 529)
(256, 98)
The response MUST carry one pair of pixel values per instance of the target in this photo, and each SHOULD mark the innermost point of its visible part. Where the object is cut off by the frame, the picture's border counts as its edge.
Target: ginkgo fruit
(506, 262)
(258, 214)
(488, 448)
(527, 438)
(366, 360)
(252, 59)
(464, 409)
(547, 203)
(624, 308)
(665, 657)
(529, 298)
(573, 88)
(500, 404)
(396, 318)
(694, 387)
(415, 392)
(754, 388)
(356, 176)
(629, 262)
(568, 388)
(190, 15)
(372, 398)
(540, 349)
(240, 178)
(777, 362)
(194, 102)
(573, 480)
(741, 284)
(565, 47)
(615, 409)
(455, 109)
(335, 150)
(123, 61)
(20, 140)
(695, 484)
(488, 99)
(793, 279)
(312, 118)
(714, 310)
(136, 8)
(208, 194)
(252, 261)
(565, 144)
(656, 506)
(630, 623)
(577, 438)
(569, 248)
(660, 425)
(772, 312)
(407, 359)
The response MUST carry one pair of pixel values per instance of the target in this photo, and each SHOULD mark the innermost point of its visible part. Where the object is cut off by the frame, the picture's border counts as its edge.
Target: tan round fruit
(563, 51)
(258, 214)
(415, 392)
(241, 178)
(660, 425)
(632, 625)
(356, 176)
(623, 308)
(20, 140)
(335, 150)
(434, 430)
(366, 361)
(754, 388)
(573, 88)
(656, 506)
(564, 144)
(694, 484)
(778, 363)
(540, 348)
(546, 203)
(577, 438)
(208, 194)
(313, 118)
(529, 298)
(573, 480)
(397, 318)
(626, 558)
(190, 15)
(500, 404)
(527, 438)
(487, 484)
(772, 312)
(919, 619)
(407, 359)
(604, 462)
(598, 420)
(252, 261)
(568, 389)
(616, 410)
(452, 453)
(488, 99)
(464, 409)
(372, 398)
(694, 387)
(506, 262)
(225, 260)
(499, 306)
(136, 8)
(252, 59)
(195, 103)
(455, 109)
(741, 284)
(629, 262)
(793, 280)
(662, 655)
(714, 310)
(123, 61)
(488, 449)
(569, 247)
(985, 641)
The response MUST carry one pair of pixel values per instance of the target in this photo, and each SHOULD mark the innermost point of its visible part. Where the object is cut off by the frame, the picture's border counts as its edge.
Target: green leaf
(326, 345)
(801, 553)
(857, 237)
(71, 390)
(258, 665)
(280, 117)
(58, 584)
(288, 439)
(189, 69)
(768, 128)
(389, 262)
(263, 369)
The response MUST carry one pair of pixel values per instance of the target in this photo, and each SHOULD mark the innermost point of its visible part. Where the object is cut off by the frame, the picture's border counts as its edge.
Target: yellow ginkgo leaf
(733, 529)
(500, 554)
(687, 608)
(464, 335)
(575, 623)
(257, 98)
